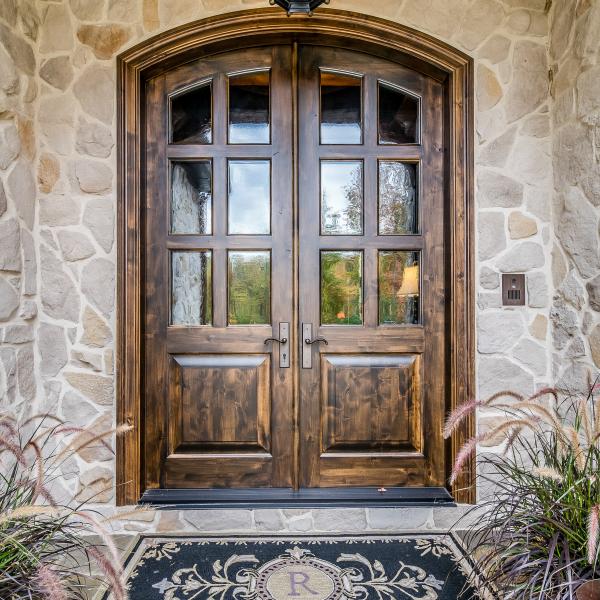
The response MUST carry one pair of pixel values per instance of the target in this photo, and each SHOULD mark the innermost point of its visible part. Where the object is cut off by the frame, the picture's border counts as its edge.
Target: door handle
(317, 340)
(284, 345)
(281, 341)
(308, 341)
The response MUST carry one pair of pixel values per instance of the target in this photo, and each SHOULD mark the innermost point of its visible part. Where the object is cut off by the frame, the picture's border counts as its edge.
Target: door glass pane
(398, 116)
(341, 114)
(249, 108)
(399, 287)
(249, 197)
(191, 116)
(341, 197)
(191, 197)
(398, 208)
(191, 288)
(341, 287)
(249, 287)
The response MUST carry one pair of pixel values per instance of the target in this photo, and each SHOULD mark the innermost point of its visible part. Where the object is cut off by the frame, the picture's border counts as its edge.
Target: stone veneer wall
(57, 165)
(575, 314)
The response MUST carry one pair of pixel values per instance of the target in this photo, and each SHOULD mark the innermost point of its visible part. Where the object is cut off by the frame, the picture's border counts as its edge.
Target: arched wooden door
(294, 278)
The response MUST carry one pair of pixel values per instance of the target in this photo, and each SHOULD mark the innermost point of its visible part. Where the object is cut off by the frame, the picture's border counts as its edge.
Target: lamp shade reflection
(410, 282)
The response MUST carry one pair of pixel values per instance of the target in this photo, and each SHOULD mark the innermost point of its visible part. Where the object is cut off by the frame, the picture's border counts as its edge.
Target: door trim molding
(264, 27)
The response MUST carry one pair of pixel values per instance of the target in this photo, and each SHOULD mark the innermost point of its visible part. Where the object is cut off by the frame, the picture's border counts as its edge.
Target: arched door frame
(265, 26)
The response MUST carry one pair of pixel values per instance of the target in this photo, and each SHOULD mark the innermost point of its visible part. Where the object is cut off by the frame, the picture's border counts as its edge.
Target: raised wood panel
(355, 470)
(371, 402)
(224, 402)
(218, 470)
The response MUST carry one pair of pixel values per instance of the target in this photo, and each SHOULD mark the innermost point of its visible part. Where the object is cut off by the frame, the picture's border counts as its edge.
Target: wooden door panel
(224, 402)
(371, 402)
(218, 404)
(381, 382)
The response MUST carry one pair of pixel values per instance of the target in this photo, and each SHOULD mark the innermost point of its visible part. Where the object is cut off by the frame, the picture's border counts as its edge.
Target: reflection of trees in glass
(347, 220)
(249, 288)
(398, 287)
(341, 288)
(397, 198)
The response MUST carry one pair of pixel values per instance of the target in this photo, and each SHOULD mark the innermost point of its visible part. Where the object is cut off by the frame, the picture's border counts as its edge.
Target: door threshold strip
(305, 498)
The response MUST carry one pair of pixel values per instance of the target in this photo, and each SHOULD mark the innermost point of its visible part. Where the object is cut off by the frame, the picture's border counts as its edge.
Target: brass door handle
(316, 340)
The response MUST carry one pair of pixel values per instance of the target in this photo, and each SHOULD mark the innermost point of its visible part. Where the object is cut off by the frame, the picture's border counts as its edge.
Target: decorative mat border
(138, 547)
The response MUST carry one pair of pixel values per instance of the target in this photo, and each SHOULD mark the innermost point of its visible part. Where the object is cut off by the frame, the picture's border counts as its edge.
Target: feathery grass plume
(536, 534)
(455, 418)
(49, 584)
(46, 549)
(593, 531)
(548, 473)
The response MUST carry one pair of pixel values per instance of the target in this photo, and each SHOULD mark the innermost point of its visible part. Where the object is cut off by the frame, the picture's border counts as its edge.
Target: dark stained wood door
(218, 273)
(341, 253)
(371, 272)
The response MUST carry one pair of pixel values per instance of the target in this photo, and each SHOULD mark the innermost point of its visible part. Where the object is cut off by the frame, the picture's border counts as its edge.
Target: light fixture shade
(299, 7)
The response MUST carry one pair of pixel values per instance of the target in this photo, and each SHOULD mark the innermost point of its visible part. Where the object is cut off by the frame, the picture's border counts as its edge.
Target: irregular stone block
(95, 91)
(60, 298)
(57, 32)
(98, 284)
(497, 374)
(59, 211)
(10, 246)
(219, 520)
(96, 332)
(489, 279)
(104, 40)
(499, 331)
(26, 373)
(58, 72)
(48, 172)
(97, 388)
(492, 237)
(53, 349)
(21, 186)
(521, 226)
(18, 334)
(74, 245)
(10, 144)
(532, 355)
(578, 231)
(18, 49)
(340, 519)
(537, 290)
(77, 410)
(29, 264)
(93, 139)
(99, 218)
(9, 300)
(523, 257)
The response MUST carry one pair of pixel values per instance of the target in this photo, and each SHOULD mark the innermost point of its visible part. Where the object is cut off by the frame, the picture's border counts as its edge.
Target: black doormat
(403, 567)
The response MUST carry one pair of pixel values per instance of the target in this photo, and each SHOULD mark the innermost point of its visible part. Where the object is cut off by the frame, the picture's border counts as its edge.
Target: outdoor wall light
(299, 7)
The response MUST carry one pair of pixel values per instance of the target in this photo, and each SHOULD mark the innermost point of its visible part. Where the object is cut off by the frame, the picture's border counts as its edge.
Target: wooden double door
(294, 279)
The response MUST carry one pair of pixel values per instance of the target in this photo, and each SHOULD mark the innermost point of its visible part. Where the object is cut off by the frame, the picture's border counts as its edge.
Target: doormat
(403, 567)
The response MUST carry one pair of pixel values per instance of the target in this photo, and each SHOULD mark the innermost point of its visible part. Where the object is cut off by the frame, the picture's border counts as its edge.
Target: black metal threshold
(305, 498)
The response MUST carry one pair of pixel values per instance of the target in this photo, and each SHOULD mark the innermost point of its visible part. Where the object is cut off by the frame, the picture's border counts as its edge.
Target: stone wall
(58, 165)
(575, 315)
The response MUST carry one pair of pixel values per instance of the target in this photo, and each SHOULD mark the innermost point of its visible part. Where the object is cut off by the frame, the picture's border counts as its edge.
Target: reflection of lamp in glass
(409, 292)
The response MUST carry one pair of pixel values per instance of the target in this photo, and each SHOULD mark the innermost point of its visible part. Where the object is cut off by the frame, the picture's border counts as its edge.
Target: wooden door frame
(262, 27)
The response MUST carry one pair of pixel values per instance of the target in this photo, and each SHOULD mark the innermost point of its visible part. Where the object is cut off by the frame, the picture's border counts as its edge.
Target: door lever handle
(281, 341)
(316, 341)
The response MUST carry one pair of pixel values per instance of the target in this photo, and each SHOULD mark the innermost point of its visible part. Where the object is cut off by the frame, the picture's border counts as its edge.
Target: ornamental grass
(50, 549)
(536, 533)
